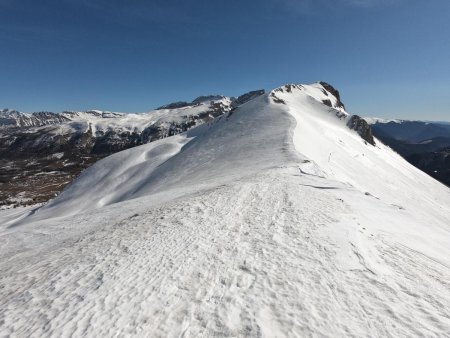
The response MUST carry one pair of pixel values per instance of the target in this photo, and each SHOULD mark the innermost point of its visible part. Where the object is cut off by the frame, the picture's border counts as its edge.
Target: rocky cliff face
(333, 91)
(362, 128)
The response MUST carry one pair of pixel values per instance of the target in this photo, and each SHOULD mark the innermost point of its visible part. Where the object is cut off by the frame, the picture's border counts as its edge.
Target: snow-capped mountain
(12, 118)
(281, 217)
(41, 152)
(98, 123)
(105, 130)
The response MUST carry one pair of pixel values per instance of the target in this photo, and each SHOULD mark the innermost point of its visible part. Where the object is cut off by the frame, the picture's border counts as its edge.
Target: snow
(57, 155)
(375, 120)
(102, 121)
(276, 220)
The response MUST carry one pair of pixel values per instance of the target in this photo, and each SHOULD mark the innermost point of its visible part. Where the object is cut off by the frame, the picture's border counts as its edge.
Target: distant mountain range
(424, 144)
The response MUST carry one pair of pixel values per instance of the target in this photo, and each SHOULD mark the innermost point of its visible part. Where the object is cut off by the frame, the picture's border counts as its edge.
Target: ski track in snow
(247, 259)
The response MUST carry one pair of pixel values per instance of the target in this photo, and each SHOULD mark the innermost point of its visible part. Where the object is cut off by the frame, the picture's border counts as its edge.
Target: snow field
(263, 265)
(243, 227)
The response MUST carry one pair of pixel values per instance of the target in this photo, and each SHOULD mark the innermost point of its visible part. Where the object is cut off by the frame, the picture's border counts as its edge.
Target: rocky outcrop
(333, 91)
(207, 98)
(362, 128)
(175, 105)
(327, 103)
(247, 97)
(195, 102)
(276, 99)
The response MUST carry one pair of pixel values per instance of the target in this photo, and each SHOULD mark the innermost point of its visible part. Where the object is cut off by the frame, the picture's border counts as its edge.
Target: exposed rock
(276, 99)
(195, 102)
(174, 105)
(207, 98)
(328, 103)
(288, 88)
(334, 92)
(362, 128)
(247, 97)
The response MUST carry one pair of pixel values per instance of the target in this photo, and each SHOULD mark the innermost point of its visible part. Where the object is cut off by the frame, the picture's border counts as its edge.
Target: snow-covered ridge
(116, 187)
(324, 93)
(104, 131)
(99, 122)
(324, 134)
(319, 91)
(173, 112)
(273, 220)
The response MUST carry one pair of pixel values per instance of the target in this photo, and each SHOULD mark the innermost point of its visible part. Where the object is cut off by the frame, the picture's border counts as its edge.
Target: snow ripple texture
(235, 230)
(257, 266)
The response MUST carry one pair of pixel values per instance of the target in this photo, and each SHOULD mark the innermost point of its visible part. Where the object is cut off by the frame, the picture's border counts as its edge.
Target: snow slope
(212, 153)
(276, 220)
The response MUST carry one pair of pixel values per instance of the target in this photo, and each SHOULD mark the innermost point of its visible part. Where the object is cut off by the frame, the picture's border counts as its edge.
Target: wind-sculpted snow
(274, 220)
(216, 152)
(273, 254)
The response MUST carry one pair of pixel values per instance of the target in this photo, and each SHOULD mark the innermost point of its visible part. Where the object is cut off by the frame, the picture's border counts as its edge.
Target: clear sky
(389, 58)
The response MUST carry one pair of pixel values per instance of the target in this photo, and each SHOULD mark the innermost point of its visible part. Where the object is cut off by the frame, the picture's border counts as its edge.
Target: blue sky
(389, 58)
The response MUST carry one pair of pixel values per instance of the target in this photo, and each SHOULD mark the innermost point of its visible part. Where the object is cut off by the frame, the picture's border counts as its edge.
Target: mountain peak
(320, 91)
(324, 93)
